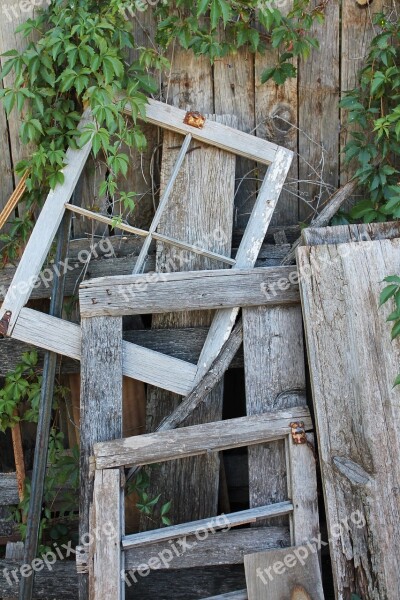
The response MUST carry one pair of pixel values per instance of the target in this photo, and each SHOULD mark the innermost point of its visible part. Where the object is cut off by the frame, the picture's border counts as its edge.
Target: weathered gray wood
(247, 254)
(315, 236)
(64, 338)
(275, 379)
(213, 133)
(15, 551)
(105, 556)
(192, 218)
(290, 573)
(8, 489)
(353, 364)
(101, 405)
(302, 488)
(212, 524)
(198, 439)
(194, 290)
(226, 548)
(45, 230)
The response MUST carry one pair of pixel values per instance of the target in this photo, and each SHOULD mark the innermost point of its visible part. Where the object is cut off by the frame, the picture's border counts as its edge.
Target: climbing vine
(82, 58)
(374, 111)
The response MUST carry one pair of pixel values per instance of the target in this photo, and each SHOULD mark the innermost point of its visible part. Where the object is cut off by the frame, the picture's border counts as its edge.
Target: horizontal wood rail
(198, 439)
(212, 524)
(191, 290)
(146, 234)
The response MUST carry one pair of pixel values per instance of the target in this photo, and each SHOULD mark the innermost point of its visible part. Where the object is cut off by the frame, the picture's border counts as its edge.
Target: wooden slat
(45, 229)
(302, 487)
(215, 134)
(194, 290)
(106, 562)
(240, 595)
(275, 380)
(212, 524)
(353, 364)
(350, 233)
(248, 251)
(63, 337)
(100, 420)
(290, 574)
(224, 548)
(198, 439)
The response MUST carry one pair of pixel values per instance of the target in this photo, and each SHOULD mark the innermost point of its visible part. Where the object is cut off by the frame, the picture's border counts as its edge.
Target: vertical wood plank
(101, 405)
(275, 379)
(105, 558)
(192, 217)
(276, 111)
(318, 116)
(353, 364)
(5, 164)
(234, 94)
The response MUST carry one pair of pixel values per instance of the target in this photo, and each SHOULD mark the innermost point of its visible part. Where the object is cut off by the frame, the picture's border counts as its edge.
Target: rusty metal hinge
(194, 119)
(299, 436)
(5, 323)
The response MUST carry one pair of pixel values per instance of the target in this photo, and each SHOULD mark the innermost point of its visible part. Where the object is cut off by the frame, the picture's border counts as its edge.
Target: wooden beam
(106, 562)
(213, 133)
(45, 230)
(353, 364)
(100, 420)
(224, 548)
(195, 290)
(63, 337)
(198, 439)
(212, 524)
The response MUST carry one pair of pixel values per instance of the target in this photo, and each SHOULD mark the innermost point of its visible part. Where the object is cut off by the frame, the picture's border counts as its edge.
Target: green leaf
(396, 382)
(202, 7)
(387, 293)
(395, 330)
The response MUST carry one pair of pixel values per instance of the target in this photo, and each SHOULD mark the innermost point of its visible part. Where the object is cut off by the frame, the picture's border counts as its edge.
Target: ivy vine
(81, 59)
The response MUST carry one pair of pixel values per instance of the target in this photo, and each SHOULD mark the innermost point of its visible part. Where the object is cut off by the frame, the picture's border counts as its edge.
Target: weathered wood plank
(212, 524)
(213, 133)
(194, 290)
(101, 407)
(208, 219)
(353, 364)
(275, 379)
(319, 93)
(63, 337)
(316, 236)
(44, 232)
(302, 487)
(249, 249)
(291, 573)
(105, 556)
(198, 439)
(240, 595)
(226, 548)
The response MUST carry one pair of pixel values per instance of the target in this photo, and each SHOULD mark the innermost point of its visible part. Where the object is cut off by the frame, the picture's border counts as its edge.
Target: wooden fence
(303, 114)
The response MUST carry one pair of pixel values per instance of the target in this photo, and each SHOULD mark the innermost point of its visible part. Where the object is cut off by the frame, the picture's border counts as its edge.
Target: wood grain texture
(105, 556)
(291, 573)
(212, 524)
(319, 91)
(101, 406)
(187, 291)
(275, 380)
(350, 233)
(225, 548)
(63, 337)
(353, 364)
(192, 218)
(198, 439)
(234, 94)
(8, 489)
(248, 251)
